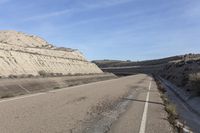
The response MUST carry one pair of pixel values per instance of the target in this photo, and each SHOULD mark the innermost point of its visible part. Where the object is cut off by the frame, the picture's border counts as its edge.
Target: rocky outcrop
(28, 54)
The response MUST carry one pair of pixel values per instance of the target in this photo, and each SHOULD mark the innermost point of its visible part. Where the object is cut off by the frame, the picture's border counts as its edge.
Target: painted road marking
(144, 116)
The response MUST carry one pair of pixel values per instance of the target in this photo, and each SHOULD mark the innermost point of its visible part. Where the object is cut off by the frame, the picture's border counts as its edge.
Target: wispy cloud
(86, 6)
(105, 3)
(48, 15)
(105, 18)
(4, 1)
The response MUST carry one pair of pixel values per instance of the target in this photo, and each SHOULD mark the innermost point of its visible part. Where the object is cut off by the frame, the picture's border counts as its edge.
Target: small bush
(184, 80)
(160, 87)
(12, 76)
(58, 74)
(30, 76)
(25, 76)
(180, 64)
(189, 61)
(22, 76)
(69, 74)
(195, 82)
(42, 73)
(7, 96)
(57, 87)
(77, 74)
(171, 109)
(45, 74)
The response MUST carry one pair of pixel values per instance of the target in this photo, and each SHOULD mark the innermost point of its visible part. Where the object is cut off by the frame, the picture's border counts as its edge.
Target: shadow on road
(132, 99)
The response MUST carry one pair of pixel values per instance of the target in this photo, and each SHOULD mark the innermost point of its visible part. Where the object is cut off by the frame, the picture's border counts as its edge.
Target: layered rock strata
(27, 54)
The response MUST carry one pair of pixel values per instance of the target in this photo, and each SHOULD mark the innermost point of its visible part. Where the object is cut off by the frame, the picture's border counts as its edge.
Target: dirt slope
(28, 54)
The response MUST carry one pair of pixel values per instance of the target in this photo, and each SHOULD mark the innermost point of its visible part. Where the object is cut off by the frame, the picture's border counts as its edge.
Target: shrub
(195, 82)
(7, 96)
(12, 76)
(77, 74)
(69, 74)
(184, 80)
(30, 76)
(171, 109)
(58, 74)
(57, 87)
(46, 74)
(42, 73)
(180, 64)
(25, 76)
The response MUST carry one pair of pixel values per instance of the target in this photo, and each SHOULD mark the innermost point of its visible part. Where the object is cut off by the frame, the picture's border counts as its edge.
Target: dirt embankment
(184, 73)
(22, 86)
(134, 67)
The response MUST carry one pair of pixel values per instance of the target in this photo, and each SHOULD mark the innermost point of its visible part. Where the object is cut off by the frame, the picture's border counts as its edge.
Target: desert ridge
(27, 54)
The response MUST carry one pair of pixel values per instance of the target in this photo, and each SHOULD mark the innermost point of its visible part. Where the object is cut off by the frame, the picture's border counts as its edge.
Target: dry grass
(170, 108)
(57, 87)
(195, 82)
(11, 88)
(195, 77)
(7, 96)
(47, 74)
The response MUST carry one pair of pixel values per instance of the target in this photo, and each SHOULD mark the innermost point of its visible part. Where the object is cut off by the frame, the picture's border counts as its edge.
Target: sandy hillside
(28, 54)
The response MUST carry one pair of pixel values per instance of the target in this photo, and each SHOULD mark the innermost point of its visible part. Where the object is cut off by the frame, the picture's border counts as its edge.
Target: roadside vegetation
(183, 70)
(11, 88)
(45, 74)
(57, 87)
(195, 82)
(184, 73)
(7, 96)
(170, 108)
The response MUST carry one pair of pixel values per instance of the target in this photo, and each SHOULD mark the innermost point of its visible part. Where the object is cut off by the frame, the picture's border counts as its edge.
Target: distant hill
(182, 70)
(119, 63)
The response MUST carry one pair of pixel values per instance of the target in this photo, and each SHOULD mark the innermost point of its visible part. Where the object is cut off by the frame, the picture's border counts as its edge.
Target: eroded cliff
(27, 54)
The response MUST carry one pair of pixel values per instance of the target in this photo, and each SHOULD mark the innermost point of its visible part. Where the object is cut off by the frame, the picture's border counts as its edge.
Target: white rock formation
(27, 54)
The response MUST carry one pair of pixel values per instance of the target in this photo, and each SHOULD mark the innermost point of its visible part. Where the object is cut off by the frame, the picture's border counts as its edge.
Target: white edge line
(144, 116)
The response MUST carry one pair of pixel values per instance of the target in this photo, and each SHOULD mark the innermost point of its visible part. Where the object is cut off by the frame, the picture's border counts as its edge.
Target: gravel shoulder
(24, 86)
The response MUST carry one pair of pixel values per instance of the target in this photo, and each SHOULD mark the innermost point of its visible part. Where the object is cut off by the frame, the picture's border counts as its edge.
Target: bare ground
(16, 87)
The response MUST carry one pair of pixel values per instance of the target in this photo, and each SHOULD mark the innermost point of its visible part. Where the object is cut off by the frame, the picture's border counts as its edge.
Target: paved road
(76, 109)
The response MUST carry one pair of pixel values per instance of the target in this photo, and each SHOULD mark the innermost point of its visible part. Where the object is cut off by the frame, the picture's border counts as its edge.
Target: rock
(27, 54)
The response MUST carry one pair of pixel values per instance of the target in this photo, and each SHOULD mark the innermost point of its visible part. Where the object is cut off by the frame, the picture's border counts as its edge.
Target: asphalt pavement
(69, 110)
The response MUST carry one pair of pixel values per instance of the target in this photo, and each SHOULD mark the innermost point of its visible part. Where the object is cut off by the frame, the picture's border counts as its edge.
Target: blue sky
(109, 29)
